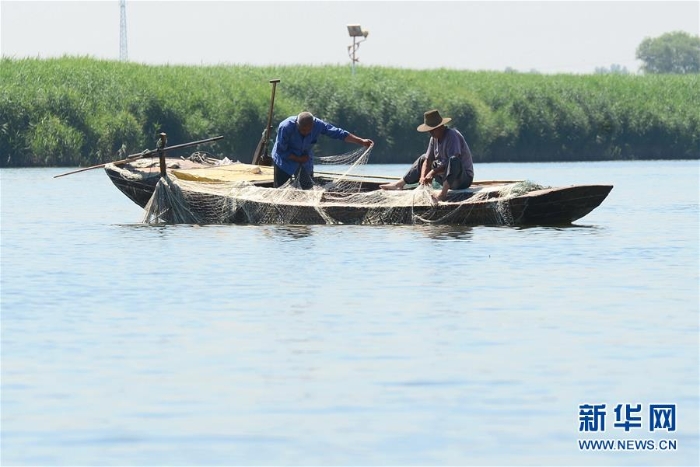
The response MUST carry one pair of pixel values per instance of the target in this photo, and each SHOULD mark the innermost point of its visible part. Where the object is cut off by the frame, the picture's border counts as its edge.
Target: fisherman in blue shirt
(293, 154)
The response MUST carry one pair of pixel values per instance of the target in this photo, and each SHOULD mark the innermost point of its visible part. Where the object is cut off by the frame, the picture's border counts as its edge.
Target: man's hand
(300, 159)
(350, 138)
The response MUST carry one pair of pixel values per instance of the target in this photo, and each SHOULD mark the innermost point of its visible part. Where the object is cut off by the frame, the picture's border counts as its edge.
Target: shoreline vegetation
(79, 111)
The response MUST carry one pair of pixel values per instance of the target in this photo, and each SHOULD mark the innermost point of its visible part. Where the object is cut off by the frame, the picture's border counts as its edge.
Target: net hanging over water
(345, 198)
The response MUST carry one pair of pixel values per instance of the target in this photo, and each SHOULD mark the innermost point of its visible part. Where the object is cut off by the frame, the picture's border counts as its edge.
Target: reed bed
(74, 111)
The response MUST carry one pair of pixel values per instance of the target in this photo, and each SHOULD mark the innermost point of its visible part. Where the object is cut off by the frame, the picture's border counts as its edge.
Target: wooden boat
(243, 194)
(138, 179)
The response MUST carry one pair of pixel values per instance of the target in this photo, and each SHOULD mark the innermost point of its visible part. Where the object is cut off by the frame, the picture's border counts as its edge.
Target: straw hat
(432, 120)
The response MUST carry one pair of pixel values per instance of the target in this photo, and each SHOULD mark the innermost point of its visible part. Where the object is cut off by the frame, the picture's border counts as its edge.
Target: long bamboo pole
(141, 155)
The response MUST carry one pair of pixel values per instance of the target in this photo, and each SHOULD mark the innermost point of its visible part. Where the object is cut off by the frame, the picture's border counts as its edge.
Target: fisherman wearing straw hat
(448, 159)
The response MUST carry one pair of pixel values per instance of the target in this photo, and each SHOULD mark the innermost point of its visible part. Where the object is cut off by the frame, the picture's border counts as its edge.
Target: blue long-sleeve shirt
(289, 141)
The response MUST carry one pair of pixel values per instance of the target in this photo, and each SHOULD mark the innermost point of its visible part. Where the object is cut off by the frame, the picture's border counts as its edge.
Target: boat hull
(553, 207)
(550, 206)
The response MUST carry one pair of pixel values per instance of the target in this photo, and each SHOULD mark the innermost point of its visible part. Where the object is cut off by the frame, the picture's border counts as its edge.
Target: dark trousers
(455, 174)
(302, 179)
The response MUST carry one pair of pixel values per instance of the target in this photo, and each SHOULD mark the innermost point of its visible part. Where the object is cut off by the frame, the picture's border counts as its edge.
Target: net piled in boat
(344, 200)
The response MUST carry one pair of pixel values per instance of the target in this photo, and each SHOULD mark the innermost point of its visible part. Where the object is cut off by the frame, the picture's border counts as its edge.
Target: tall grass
(79, 111)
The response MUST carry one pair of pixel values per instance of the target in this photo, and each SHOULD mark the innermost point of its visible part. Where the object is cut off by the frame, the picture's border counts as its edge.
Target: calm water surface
(125, 344)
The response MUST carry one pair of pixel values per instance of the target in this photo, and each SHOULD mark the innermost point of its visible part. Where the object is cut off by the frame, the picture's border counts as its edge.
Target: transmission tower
(123, 52)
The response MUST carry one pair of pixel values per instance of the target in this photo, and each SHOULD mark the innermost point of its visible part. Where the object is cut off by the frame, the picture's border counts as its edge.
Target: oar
(141, 155)
(261, 150)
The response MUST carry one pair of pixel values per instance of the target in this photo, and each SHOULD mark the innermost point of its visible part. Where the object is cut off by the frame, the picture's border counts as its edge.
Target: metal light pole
(355, 31)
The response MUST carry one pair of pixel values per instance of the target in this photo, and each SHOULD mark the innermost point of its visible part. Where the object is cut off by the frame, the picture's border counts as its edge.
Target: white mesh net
(344, 198)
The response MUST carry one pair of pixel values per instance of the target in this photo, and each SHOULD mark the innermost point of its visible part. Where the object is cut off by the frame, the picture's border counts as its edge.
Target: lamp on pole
(355, 31)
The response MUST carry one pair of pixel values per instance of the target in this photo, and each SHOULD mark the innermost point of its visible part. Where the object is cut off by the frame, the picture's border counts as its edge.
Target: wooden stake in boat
(261, 157)
(160, 144)
(141, 155)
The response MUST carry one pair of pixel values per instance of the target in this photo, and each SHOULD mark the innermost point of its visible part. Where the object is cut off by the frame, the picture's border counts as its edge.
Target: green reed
(78, 110)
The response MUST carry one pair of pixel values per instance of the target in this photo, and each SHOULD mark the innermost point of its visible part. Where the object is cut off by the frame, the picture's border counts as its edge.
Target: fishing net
(346, 197)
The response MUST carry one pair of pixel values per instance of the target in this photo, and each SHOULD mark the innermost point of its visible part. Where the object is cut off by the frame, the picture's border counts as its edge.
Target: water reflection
(578, 228)
(293, 232)
(437, 232)
(161, 230)
(434, 231)
(447, 232)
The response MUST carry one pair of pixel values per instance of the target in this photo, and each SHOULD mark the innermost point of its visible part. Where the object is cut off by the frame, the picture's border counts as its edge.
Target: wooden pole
(269, 115)
(161, 154)
(353, 175)
(260, 155)
(138, 156)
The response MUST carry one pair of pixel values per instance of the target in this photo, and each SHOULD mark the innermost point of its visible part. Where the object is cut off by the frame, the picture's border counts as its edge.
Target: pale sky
(548, 36)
